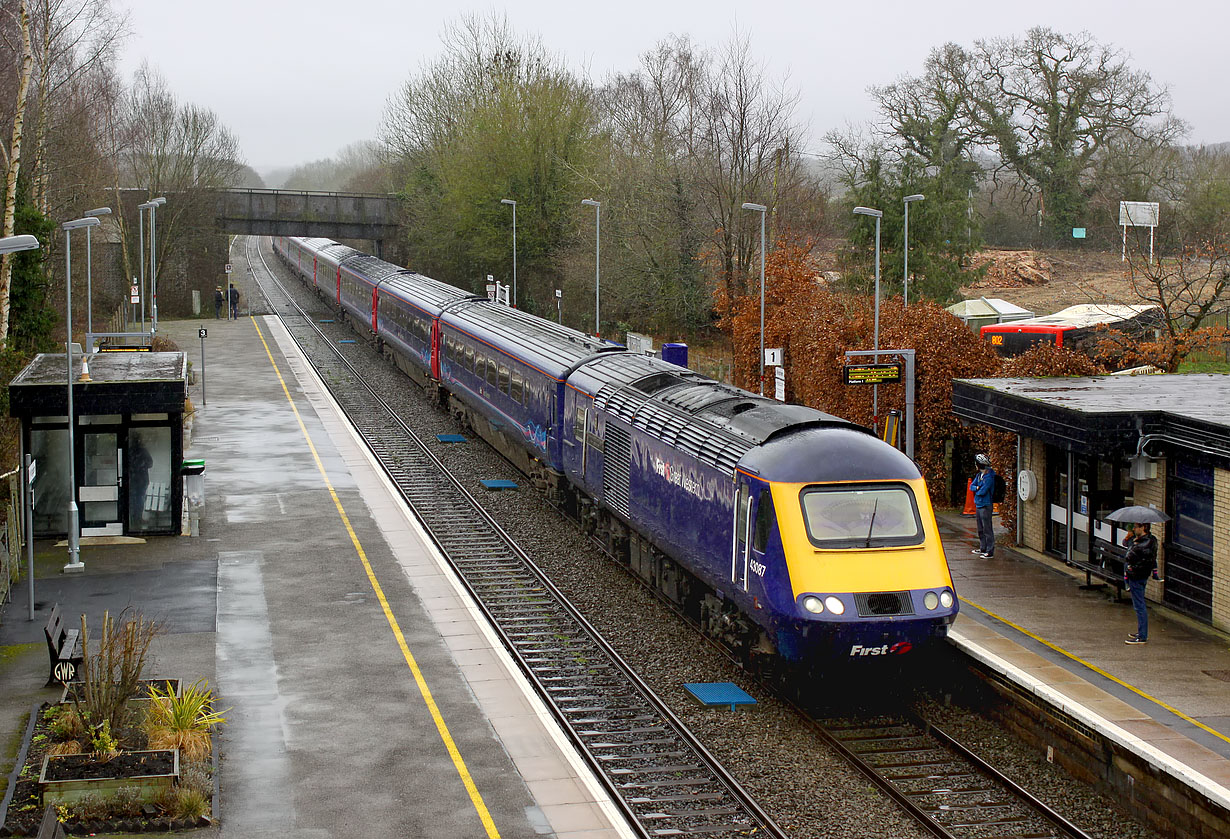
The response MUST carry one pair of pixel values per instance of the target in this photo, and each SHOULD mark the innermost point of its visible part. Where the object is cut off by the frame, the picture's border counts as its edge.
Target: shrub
(182, 722)
(111, 671)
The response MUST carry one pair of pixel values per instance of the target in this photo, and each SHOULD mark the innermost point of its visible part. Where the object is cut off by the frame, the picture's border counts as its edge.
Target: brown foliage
(1048, 360)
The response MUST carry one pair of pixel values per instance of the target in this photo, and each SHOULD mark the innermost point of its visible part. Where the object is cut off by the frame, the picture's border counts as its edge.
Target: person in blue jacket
(983, 486)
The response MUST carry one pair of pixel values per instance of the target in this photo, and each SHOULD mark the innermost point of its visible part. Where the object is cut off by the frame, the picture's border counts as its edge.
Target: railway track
(658, 773)
(665, 781)
(941, 783)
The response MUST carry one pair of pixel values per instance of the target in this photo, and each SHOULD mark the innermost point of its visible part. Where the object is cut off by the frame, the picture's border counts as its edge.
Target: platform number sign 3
(65, 671)
(202, 333)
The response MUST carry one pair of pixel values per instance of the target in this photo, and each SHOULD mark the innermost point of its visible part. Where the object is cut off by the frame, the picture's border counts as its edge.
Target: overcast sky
(299, 81)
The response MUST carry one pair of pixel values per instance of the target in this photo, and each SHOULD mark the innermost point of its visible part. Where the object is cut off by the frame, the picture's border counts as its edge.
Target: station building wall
(1221, 549)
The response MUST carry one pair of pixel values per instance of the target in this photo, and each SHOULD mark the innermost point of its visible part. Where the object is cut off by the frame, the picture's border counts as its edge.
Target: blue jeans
(986, 529)
(1137, 588)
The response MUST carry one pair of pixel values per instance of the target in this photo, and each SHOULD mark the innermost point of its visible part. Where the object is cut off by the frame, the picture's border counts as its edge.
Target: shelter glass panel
(49, 450)
(150, 480)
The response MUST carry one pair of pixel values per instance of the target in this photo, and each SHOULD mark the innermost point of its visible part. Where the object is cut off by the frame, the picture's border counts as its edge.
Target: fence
(12, 542)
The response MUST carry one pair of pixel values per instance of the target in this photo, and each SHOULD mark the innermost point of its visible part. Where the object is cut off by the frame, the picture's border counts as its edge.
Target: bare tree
(1049, 103)
(12, 161)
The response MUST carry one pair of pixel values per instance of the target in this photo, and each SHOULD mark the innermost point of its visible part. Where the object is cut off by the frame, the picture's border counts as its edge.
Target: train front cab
(861, 572)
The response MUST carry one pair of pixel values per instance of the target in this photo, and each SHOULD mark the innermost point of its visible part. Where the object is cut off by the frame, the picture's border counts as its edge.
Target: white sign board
(773, 357)
(1138, 213)
(779, 376)
(228, 267)
(638, 343)
(134, 295)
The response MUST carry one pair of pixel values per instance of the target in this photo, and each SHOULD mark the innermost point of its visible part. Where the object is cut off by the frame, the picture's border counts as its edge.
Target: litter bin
(194, 483)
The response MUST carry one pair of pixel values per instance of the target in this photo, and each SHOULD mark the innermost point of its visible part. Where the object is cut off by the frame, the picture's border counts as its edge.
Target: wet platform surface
(1031, 616)
(365, 694)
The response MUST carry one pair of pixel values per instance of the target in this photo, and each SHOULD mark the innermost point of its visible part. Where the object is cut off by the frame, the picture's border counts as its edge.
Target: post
(905, 250)
(29, 515)
(762, 209)
(203, 332)
(514, 286)
(597, 205)
(875, 388)
(141, 257)
(153, 257)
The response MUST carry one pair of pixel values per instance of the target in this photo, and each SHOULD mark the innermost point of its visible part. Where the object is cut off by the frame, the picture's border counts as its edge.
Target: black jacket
(1141, 558)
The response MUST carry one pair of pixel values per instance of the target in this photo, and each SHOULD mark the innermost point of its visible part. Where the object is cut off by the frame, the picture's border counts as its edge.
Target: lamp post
(597, 205)
(875, 394)
(514, 206)
(905, 250)
(89, 287)
(762, 209)
(74, 547)
(153, 258)
(141, 208)
(13, 244)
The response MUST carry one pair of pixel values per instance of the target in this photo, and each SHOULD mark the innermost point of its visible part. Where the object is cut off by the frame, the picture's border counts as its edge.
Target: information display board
(871, 374)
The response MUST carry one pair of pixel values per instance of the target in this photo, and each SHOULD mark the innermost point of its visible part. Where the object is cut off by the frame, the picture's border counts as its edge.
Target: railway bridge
(334, 215)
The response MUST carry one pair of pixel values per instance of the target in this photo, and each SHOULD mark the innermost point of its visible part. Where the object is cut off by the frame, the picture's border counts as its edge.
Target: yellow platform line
(1098, 670)
(476, 797)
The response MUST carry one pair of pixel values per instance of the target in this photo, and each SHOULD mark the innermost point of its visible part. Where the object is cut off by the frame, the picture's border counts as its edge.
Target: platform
(1028, 615)
(366, 694)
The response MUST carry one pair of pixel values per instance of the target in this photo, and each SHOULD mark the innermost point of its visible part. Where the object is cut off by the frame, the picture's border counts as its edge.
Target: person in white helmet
(983, 486)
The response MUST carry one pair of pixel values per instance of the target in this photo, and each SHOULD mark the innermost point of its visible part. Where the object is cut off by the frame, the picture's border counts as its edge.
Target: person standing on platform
(219, 300)
(234, 294)
(1139, 564)
(983, 486)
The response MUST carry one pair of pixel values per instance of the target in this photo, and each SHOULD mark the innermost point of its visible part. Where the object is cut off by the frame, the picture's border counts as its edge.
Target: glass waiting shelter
(127, 440)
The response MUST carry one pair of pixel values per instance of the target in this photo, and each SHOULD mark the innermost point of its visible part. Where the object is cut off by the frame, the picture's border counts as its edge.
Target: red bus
(1075, 327)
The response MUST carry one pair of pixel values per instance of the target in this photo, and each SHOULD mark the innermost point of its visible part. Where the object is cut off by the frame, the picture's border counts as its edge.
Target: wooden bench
(63, 647)
(1105, 563)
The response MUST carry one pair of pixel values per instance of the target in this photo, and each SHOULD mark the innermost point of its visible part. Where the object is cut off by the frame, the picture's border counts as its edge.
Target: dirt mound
(1013, 269)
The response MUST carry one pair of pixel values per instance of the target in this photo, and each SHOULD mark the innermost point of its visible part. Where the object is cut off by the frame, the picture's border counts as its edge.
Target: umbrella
(1137, 514)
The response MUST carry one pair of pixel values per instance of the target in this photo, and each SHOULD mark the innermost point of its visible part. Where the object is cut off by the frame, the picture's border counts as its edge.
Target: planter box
(150, 786)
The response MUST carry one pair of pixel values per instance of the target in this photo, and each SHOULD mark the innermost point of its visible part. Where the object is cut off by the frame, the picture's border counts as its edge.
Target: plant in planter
(183, 722)
(111, 669)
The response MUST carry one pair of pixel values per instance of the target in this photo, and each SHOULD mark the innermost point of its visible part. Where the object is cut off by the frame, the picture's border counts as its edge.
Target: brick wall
(1033, 457)
(1153, 492)
(1221, 548)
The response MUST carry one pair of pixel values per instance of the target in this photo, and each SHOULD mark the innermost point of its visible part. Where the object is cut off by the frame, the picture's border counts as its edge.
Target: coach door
(739, 544)
(435, 348)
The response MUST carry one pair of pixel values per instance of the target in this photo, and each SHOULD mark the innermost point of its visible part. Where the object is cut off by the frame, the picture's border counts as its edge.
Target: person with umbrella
(1140, 562)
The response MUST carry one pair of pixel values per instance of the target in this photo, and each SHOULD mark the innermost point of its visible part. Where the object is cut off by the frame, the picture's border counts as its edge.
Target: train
(782, 531)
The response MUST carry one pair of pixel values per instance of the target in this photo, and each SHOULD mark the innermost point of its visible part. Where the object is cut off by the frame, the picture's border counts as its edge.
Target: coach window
(764, 521)
(578, 424)
(503, 379)
(516, 390)
(469, 362)
(491, 372)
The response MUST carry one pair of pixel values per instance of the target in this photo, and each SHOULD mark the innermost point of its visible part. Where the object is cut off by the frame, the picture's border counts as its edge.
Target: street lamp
(89, 288)
(597, 205)
(875, 395)
(762, 209)
(74, 547)
(153, 258)
(909, 199)
(514, 206)
(141, 208)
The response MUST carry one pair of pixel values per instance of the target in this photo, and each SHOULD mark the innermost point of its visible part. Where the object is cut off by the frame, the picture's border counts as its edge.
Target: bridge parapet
(335, 215)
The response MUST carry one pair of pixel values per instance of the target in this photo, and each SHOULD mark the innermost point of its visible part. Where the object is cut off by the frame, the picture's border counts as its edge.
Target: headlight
(946, 599)
(835, 605)
(931, 600)
(813, 604)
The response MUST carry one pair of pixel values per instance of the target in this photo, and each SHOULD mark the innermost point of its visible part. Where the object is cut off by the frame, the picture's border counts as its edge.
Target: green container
(193, 467)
